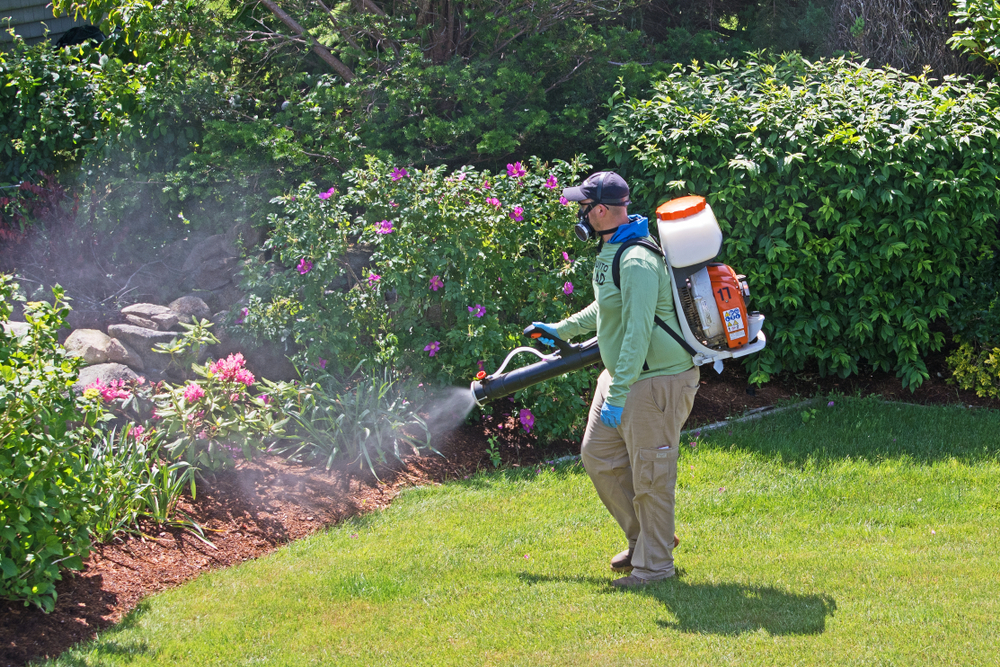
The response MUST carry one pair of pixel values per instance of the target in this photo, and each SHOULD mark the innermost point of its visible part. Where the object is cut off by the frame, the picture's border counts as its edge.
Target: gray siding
(27, 17)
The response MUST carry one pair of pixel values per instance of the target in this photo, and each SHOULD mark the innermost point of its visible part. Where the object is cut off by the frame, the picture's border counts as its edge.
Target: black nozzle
(578, 357)
(536, 333)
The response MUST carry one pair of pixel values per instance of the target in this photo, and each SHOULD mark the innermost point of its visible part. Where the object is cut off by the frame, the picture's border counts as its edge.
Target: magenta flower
(384, 227)
(373, 278)
(242, 316)
(477, 310)
(321, 362)
(436, 283)
(432, 348)
(193, 392)
(327, 194)
(493, 201)
(566, 256)
(567, 288)
(305, 266)
(393, 204)
(551, 181)
(516, 170)
(231, 369)
(265, 399)
(564, 201)
(486, 185)
(482, 365)
(398, 174)
(527, 419)
(830, 404)
(517, 214)
(137, 432)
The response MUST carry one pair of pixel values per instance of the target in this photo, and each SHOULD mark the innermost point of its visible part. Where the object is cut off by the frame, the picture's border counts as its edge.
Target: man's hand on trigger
(611, 415)
(549, 329)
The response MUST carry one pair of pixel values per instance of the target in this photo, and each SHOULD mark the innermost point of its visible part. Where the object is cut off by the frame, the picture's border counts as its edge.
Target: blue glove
(611, 415)
(547, 328)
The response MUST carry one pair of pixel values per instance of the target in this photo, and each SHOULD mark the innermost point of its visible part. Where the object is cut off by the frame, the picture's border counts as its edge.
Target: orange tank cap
(682, 207)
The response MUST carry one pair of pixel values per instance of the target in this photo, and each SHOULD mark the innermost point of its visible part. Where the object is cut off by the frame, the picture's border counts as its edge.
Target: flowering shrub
(472, 259)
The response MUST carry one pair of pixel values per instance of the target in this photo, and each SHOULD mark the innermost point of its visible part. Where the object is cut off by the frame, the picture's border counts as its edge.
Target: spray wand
(566, 359)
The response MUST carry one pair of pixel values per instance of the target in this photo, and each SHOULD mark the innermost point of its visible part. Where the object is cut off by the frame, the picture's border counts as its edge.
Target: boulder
(142, 340)
(211, 263)
(121, 353)
(89, 344)
(18, 329)
(190, 307)
(139, 321)
(162, 317)
(107, 373)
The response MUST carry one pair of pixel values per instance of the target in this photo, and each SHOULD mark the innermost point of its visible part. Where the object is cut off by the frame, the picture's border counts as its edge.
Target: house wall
(27, 18)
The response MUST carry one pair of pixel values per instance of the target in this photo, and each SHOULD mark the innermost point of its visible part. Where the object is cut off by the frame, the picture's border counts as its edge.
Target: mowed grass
(865, 536)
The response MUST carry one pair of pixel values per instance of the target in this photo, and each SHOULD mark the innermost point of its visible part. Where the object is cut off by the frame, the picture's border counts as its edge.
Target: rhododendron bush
(460, 263)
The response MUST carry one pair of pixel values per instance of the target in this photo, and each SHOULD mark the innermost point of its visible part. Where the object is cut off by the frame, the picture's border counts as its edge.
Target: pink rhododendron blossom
(493, 201)
(436, 283)
(551, 181)
(109, 392)
(193, 392)
(478, 310)
(232, 369)
(398, 173)
(202, 435)
(567, 288)
(384, 227)
(527, 419)
(432, 348)
(373, 278)
(564, 201)
(305, 266)
(327, 194)
(516, 170)
(566, 256)
(517, 214)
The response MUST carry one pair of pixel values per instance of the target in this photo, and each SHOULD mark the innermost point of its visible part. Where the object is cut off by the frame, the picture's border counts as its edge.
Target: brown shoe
(623, 561)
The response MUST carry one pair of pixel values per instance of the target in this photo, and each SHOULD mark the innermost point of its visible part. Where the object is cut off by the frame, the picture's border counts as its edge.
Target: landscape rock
(17, 328)
(89, 344)
(147, 310)
(107, 373)
(211, 263)
(140, 321)
(142, 340)
(121, 353)
(190, 307)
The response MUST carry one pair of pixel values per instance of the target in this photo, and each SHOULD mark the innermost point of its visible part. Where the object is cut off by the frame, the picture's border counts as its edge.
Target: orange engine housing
(729, 290)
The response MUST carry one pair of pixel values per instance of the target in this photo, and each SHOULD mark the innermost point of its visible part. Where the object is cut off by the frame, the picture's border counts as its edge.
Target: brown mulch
(264, 504)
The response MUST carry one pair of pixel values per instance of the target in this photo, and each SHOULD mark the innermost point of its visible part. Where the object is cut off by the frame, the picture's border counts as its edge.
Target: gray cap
(604, 187)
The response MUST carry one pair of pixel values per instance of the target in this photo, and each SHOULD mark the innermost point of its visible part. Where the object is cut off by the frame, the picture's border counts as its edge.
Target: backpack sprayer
(709, 297)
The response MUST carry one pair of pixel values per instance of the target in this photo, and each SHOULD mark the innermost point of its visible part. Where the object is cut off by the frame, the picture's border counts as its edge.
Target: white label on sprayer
(734, 320)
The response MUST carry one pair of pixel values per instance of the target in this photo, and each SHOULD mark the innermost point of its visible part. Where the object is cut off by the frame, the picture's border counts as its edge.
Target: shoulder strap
(617, 278)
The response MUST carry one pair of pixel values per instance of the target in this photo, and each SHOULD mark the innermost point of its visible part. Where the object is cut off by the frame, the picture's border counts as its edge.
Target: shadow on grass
(723, 609)
(110, 645)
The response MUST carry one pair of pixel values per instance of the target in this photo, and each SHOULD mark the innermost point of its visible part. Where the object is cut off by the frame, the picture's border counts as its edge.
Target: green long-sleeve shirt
(627, 335)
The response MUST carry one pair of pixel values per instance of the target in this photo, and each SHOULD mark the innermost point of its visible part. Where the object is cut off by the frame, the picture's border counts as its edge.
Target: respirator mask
(583, 229)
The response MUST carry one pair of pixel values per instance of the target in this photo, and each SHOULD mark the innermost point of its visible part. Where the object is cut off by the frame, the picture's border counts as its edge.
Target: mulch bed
(264, 504)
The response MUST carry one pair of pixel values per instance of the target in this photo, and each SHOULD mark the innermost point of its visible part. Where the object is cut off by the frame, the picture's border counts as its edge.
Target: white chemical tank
(689, 232)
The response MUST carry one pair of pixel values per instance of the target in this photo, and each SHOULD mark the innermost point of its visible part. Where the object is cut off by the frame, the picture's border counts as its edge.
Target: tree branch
(340, 68)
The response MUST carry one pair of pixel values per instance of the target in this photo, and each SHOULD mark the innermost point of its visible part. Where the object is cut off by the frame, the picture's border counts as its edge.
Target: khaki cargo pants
(634, 466)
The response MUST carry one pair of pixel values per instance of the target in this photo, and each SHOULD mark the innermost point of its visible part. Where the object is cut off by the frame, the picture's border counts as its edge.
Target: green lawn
(865, 536)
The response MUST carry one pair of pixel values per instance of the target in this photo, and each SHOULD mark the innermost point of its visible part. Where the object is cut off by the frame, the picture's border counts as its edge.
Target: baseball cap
(604, 187)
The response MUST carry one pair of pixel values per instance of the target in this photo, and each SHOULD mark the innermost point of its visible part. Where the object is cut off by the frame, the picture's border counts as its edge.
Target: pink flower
(566, 256)
(231, 369)
(202, 435)
(242, 316)
(493, 201)
(486, 185)
(305, 266)
(527, 419)
(321, 362)
(109, 392)
(436, 283)
(193, 392)
(265, 399)
(384, 227)
(137, 432)
(373, 278)
(398, 173)
(327, 194)
(432, 348)
(478, 310)
(564, 201)
(482, 365)
(567, 288)
(551, 181)
(393, 204)
(517, 214)
(515, 170)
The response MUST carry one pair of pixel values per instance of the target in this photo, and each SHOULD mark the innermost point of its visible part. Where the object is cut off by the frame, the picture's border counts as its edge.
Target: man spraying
(647, 389)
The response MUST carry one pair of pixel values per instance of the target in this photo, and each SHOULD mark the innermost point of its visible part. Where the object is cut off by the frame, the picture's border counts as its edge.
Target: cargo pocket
(655, 467)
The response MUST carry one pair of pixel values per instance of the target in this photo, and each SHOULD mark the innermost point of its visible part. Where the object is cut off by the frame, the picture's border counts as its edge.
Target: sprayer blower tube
(562, 362)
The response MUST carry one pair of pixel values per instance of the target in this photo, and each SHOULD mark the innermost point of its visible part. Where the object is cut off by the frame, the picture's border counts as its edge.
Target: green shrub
(453, 278)
(976, 369)
(48, 500)
(855, 200)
